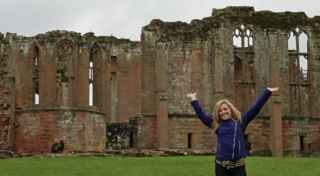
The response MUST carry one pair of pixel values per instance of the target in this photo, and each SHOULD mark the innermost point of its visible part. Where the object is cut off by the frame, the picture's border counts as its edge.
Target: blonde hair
(235, 113)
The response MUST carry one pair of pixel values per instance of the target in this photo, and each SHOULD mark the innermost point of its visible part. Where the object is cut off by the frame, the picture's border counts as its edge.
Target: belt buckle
(227, 162)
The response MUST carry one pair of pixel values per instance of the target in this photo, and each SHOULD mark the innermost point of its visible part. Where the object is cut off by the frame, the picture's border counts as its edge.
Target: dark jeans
(224, 171)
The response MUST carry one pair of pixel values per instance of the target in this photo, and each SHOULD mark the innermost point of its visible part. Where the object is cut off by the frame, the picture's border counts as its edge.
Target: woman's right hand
(192, 96)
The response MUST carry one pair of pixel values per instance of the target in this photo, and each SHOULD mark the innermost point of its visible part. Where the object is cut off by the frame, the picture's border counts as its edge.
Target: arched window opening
(303, 56)
(94, 77)
(91, 81)
(65, 54)
(237, 38)
(35, 65)
(242, 37)
(243, 66)
(298, 71)
(248, 38)
(292, 41)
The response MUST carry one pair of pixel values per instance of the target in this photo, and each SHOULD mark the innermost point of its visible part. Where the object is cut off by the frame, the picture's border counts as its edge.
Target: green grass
(152, 166)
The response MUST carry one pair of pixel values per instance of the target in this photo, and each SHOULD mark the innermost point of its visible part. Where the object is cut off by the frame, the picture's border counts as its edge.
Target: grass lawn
(152, 166)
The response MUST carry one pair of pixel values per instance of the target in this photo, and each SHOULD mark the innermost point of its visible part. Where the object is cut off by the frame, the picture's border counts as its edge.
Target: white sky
(122, 18)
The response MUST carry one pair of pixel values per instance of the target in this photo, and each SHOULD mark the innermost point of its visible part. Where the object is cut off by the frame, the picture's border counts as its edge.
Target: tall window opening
(64, 73)
(94, 77)
(243, 66)
(91, 81)
(35, 65)
(298, 71)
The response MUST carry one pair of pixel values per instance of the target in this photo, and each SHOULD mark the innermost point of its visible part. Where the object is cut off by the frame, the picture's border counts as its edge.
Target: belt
(229, 164)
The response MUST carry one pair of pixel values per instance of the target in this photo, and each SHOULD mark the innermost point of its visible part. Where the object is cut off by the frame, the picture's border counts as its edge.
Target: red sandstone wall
(129, 94)
(80, 130)
(146, 136)
(259, 134)
(7, 93)
(292, 132)
(201, 136)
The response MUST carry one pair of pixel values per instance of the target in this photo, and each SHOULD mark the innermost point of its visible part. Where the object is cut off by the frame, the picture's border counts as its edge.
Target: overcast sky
(122, 18)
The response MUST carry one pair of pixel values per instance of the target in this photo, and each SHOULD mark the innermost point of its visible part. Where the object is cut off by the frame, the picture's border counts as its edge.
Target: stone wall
(7, 93)
(45, 87)
(203, 57)
(35, 131)
(190, 133)
(120, 136)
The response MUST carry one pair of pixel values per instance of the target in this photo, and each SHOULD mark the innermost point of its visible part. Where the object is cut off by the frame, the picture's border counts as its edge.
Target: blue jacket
(231, 144)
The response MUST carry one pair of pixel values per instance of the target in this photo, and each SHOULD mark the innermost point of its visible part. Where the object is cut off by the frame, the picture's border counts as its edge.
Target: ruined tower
(64, 85)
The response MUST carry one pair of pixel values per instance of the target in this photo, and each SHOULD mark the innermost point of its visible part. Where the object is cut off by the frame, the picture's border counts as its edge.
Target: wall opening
(131, 139)
(113, 65)
(244, 79)
(189, 140)
(301, 143)
(91, 82)
(36, 74)
(65, 76)
(95, 77)
(298, 72)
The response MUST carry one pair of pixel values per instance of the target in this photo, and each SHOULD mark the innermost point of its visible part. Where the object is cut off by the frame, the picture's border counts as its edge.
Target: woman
(229, 125)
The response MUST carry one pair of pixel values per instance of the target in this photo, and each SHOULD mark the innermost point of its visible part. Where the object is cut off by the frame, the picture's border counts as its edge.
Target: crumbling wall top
(56, 35)
(181, 30)
(230, 17)
(233, 10)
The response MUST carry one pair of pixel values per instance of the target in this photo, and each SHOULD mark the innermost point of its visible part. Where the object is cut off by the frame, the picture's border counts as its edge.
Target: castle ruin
(100, 92)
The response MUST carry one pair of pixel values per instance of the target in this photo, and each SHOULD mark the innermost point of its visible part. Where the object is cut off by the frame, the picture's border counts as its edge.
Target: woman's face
(224, 112)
